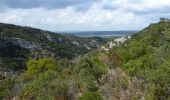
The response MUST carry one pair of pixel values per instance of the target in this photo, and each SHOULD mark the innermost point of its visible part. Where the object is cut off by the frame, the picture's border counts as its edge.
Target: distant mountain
(18, 43)
(101, 33)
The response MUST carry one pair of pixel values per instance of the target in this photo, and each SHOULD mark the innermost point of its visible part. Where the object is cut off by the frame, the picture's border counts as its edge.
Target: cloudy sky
(83, 15)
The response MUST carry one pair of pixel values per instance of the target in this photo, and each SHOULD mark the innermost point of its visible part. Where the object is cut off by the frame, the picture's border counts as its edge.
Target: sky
(84, 15)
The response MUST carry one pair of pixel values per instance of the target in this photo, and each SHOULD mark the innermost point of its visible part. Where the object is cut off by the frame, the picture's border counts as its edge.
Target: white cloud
(118, 15)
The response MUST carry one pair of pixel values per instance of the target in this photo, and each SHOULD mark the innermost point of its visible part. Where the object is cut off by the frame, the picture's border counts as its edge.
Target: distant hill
(104, 34)
(18, 43)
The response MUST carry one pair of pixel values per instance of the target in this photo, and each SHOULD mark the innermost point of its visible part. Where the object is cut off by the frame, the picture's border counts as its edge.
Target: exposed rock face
(56, 40)
(116, 42)
(49, 37)
(41, 42)
(3, 42)
(60, 40)
(17, 41)
(122, 40)
(6, 72)
(25, 44)
(75, 43)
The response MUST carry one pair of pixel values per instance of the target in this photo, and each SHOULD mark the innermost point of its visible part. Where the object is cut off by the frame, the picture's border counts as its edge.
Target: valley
(40, 65)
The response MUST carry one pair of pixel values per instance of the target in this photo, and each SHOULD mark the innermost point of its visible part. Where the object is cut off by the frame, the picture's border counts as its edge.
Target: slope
(18, 43)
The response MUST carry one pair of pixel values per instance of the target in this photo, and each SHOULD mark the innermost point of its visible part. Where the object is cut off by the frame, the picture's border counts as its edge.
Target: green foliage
(6, 86)
(43, 86)
(140, 67)
(161, 77)
(146, 57)
(43, 64)
(90, 96)
(118, 56)
(90, 69)
(13, 57)
(43, 81)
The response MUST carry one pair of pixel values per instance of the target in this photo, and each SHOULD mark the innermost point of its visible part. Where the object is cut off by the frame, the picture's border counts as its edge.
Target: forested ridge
(137, 69)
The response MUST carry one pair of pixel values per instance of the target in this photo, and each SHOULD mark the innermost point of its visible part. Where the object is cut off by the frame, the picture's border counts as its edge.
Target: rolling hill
(18, 43)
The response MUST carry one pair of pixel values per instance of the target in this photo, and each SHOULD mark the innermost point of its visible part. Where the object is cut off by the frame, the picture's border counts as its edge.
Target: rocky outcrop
(6, 72)
(115, 42)
(17, 41)
(121, 40)
(3, 42)
(56, 40)
(75, 43)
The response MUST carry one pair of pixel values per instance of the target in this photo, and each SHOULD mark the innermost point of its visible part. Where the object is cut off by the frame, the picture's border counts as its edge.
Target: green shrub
(42, 64)
(90, 96)
(89, 70)
(6, 86)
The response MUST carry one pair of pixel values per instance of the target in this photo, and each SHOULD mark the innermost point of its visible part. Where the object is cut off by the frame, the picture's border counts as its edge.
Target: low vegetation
(137, 69)
(146, 57)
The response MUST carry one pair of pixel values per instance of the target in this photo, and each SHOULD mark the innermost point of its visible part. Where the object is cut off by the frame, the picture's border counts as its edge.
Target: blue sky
(84, 15)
